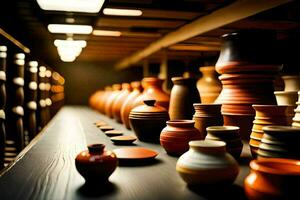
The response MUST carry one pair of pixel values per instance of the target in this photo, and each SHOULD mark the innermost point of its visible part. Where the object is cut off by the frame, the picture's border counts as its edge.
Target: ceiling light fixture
(90, 6)
(71, 43)
(106, 33)
(68, 28)
(122, 12)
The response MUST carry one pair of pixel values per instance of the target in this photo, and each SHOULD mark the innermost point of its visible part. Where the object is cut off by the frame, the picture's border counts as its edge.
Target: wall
(82, 79)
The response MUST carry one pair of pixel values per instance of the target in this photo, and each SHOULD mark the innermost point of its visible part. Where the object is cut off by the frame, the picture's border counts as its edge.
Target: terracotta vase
(206, 163)
(117, 105)
(286, 97)
(110, 100)
(128, 103)
(291, 82)
(102, 100)
(273, 179)
(147, 121)
(183, 95)
(96, 164)
(208, 85)
(207, 115)
(94, 98)
(228, 134)
(153, 90)
(175, 137)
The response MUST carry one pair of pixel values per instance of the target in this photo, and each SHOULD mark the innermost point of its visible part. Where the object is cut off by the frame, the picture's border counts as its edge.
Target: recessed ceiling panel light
(106, 33)
(70, 43)
(68, 28)
(122, 12)
(90, 6)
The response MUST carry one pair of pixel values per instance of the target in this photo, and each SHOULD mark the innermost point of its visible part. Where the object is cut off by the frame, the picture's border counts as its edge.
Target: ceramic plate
(112, 133)
(106, 128)
(123, 140)
(135, 153)
(100, 123)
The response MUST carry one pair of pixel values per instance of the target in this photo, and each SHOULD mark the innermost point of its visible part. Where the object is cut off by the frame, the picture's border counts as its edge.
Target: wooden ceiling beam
(223, 16)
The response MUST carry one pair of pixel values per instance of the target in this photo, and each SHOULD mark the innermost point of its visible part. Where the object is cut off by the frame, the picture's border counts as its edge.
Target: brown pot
(96, 164)
(273, 179)
(209, 85)
(207, 115)
(175, 137)
(110, 100)
(153, 90)
(183, 95)
(148, 120)
(101, 104)
(94, 99)
(128, 103)
(117, 105)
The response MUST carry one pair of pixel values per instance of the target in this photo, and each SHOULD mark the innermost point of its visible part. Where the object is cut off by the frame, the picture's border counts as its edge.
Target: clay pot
(128, 103)
(280, 141)
(286, 97)
(228, 134)
(153, 90)
(183, 94)
(247, 51)
(207, 115)
(117, 105)
(147, 121)
(96, 164)
(273, 179)
(208, 85)
(291, 83)
(94, 98)
(110, 100)
(175, 137)
(102, 101)
(207, 162)
(245, 122)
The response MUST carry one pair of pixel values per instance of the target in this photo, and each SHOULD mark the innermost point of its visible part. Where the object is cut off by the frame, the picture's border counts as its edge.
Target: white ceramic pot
(286, 97)
(207, 162)
(291, 83)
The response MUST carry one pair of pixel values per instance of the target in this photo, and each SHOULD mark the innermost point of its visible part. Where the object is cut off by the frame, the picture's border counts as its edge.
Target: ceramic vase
(206, 163)
(128, 103)
(110, 100)
(117, 105)
(102, 100)
(96, 164)
(273, 179)
(175, 137)
(228, 134)
(183, 95)
(208, 85)
(207, 115)
(148, 120)
(291, 82)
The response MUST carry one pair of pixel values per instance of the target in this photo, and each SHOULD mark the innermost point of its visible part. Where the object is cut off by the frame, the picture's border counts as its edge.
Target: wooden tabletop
(46, 168)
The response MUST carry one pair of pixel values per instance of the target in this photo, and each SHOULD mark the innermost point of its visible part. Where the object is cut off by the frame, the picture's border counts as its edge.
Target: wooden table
(46, 168)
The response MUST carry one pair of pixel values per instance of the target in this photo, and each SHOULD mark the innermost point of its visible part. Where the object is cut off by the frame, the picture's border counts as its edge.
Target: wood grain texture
(47, 170)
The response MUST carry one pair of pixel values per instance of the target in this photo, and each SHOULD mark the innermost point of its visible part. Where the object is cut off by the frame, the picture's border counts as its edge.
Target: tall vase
(291, 83)
(183, 95)
(208, 85)
(110, 100)
(117, 105)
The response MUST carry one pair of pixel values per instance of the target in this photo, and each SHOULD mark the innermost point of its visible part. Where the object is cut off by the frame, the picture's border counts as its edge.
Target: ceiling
(28, 23)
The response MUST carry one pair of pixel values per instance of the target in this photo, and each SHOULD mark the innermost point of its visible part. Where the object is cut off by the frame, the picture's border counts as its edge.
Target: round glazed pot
(175, 137)
(208, 85)
(110, 100)
(183, 94)
(147, 121)
(128, 103)
(273, 179)
(286, 97)
(207, 115)
(270, 111)
(96, 164)
(245, 49)
(291, 83)
(94, 99)
(228, 134)
(207, 162)
(153, 90)
(116, 107)
(101, 104)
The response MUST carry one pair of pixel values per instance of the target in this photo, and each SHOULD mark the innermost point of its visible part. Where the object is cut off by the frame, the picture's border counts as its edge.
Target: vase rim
(286, 92)
(96, 148)
(281, 129)
(278, 166)
(223, 128)
(180, 121)
(206, 104)
(207, 144)
(268, 106)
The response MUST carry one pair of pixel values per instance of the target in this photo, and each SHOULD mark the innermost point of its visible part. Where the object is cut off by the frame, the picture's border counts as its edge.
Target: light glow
(122, 12)
(70, 28)
(106, 33)
(90, 6)
(70, 43)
